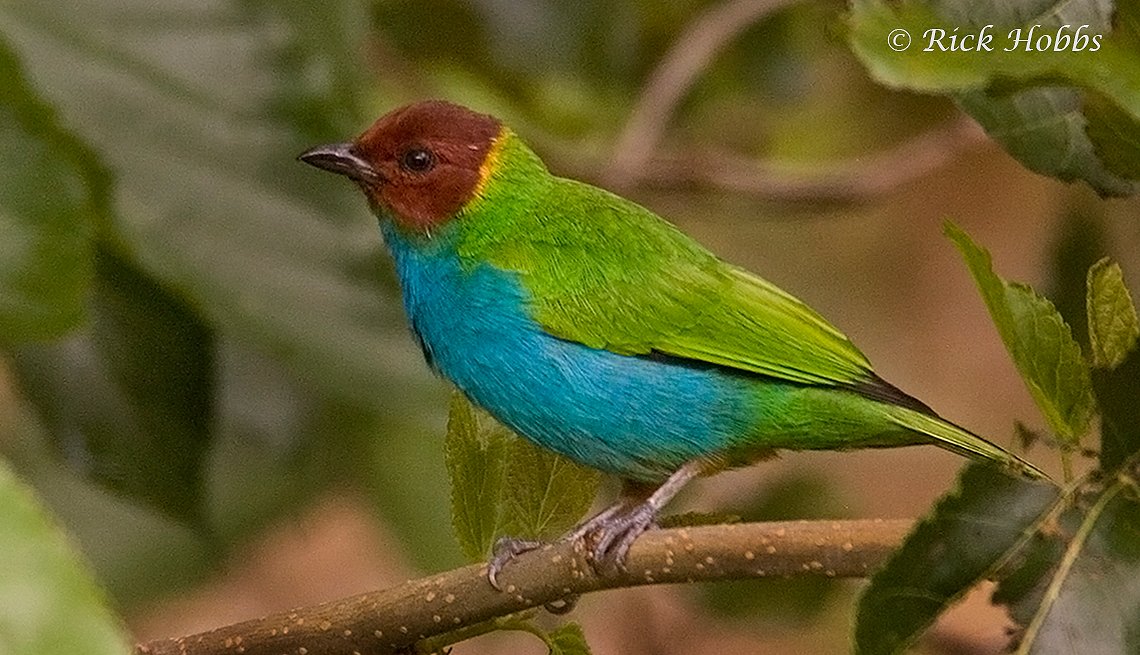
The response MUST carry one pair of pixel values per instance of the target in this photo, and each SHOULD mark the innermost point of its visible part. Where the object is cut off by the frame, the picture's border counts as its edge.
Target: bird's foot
(609, 539)
(608, 535)
(508, 548)
(505, 550)
(606, 538)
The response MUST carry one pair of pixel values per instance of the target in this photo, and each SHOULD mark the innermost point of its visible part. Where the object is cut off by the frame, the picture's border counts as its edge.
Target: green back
(610, 274)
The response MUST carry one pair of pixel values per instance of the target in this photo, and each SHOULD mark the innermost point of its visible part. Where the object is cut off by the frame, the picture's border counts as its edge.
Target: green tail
(961, 441)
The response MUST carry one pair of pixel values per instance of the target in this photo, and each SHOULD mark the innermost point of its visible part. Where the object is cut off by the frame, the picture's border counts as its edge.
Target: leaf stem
(1065, 566)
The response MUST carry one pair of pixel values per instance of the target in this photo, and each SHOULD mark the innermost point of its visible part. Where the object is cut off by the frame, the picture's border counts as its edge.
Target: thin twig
(637, 161)
(855, 180)
(394, 620)
(690, 54)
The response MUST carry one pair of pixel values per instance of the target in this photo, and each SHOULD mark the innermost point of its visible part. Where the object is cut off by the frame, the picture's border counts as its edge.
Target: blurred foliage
(232, 308)
(50, 195)
(1064, 559)
(1039, 91)
(128, 397)
(42, 580)
(204, 335)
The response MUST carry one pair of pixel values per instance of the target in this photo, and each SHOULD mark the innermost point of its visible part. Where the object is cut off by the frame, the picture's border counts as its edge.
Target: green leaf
(568, 639)
(1112, 125)
(48, 197)
(1114, 135)
(1038, 339)
(1050, 362)
(1048, 131)
(546, 493)
(476, 452)
(129, 398)
(503, 485)
(1113, 326)
(971, 535)
(1072, 112)
(1089, 599)
(48, 601)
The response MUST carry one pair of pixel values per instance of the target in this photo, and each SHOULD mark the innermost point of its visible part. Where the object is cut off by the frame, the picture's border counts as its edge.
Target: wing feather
(610, 274)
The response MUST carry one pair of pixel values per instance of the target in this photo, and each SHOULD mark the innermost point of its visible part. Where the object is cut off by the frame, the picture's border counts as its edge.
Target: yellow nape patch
(491, 161)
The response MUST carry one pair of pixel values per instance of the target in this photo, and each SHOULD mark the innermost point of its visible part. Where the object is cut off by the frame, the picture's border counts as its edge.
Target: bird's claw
(609, 542)
(505, 550)
(606, 537)
(508, 548)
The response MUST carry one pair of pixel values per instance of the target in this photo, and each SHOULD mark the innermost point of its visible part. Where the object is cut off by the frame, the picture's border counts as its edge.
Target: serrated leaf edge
(1003, 320)
(1106, 266)
(1051, 514)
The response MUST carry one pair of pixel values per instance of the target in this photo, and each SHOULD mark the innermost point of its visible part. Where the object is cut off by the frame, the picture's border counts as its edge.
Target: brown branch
(856, 180)
(394, 620)
(637, 161)
(693, 51)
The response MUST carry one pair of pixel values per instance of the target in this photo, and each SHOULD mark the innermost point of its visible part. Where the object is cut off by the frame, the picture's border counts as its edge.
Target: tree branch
(394, 620)
(681, 66)
(637, 160)
(856, 180)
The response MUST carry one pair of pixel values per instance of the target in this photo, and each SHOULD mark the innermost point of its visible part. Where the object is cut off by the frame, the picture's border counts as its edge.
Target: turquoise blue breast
(636, 417)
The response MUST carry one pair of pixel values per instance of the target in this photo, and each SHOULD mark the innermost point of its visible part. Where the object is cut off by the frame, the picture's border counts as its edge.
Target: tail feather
(962, 441)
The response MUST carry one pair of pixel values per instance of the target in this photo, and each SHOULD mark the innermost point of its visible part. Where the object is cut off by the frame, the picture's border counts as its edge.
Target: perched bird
(597, 330)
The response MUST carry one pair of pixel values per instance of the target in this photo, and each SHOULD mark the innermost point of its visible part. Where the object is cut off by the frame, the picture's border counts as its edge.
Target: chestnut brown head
(422, 162)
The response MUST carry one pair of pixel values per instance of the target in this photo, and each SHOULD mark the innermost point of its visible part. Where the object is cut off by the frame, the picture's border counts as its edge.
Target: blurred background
(231, 417)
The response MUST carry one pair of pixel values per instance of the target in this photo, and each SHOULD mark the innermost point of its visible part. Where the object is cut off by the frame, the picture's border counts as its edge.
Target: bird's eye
(417, 160)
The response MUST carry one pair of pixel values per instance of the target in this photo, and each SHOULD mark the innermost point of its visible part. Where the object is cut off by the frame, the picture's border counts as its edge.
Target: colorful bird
(596, 329)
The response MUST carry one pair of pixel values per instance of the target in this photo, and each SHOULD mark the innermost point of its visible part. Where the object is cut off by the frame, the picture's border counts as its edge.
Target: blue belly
(636, 417)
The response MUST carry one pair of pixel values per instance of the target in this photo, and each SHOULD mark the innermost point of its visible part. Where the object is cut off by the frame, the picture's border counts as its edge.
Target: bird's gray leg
(612, 530)
(587, 526)
(508, 548)
(616, 532)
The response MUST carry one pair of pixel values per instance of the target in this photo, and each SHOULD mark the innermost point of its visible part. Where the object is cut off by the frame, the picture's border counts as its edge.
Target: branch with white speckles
(398, 619)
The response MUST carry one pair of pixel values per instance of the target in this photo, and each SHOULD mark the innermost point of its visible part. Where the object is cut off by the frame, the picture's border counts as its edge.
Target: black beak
(340, 158)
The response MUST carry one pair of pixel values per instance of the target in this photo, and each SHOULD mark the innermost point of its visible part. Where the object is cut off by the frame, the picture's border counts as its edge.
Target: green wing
(759, 328)
(609, 274)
